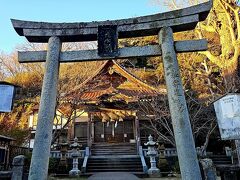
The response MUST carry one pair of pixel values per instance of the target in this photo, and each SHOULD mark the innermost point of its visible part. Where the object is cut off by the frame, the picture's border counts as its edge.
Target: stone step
(121, 163)
(117, 157)
(120, 145)
(112, 166)
(222, 162)
(109, 152)
(115, 163)
(218, 155)
(139, 174)
(113, 144)
(113, 150)
(110, 149)
(116, 153)
(115, 170)
(105, 149)
(112, 158)
(221, 159)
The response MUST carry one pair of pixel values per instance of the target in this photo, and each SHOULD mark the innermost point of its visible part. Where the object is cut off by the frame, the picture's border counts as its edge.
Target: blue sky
(65, 11)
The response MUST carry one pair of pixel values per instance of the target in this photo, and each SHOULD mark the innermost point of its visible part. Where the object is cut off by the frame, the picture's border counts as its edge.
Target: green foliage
(53, 164)
(28, 158)
(163, 165)
(176, 167)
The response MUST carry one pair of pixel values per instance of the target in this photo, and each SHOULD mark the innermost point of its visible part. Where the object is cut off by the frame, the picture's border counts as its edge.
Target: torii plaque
(163, 25)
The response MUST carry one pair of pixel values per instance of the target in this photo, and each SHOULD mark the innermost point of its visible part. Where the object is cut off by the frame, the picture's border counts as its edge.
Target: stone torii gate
(107, 34)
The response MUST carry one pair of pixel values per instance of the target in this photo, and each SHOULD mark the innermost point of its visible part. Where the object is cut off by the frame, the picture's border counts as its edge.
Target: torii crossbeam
(107, 33)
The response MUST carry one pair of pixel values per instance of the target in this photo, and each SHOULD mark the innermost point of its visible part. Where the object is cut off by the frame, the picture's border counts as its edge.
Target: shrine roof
(113, 82)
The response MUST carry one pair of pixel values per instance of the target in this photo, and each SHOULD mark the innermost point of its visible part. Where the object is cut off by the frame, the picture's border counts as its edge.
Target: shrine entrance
(107, 34)
(114, 132)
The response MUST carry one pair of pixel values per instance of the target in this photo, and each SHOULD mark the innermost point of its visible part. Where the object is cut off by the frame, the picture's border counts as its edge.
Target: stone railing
(168, 152)
(172, 152)
(231, 153)
(87, 154)
(140, 152)
(57, 154)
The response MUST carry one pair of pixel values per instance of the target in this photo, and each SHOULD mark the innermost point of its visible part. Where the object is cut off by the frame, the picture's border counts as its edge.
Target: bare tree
(157, 113)
(156, 110)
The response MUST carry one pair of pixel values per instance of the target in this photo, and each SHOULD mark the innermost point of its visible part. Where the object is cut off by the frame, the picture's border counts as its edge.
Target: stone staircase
(115, 164)
(120, 157)
(105, 149)
(221, 159)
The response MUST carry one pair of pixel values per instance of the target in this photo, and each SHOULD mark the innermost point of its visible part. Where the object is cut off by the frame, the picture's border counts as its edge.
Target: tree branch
(212, 58)
(229, 21)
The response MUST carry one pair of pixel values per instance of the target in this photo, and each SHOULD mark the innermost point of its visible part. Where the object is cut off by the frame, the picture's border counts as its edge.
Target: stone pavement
(113, 176)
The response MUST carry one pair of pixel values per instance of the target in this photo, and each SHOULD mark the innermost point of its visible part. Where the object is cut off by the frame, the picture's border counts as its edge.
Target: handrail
(87, 154)
(145, 168)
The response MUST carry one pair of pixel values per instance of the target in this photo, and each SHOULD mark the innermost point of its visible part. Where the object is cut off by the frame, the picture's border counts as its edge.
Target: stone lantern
(75, 155)
(62, 167)
(152, 153)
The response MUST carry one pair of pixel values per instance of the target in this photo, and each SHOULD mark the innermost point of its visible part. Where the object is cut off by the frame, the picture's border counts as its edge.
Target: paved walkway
(113, 176)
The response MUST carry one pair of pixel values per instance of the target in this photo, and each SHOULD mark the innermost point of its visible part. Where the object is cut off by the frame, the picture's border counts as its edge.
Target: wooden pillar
(89, 131)
(187, 156)
(138, 143)
(92, 130)
(43, 137)
(134, 129)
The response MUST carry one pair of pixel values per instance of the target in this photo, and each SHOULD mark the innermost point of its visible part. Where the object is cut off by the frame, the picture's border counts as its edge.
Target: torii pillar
(43, 137)
(187, 155)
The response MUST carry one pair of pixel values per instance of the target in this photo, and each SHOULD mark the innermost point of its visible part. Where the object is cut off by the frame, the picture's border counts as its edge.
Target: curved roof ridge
(135, 78)
(124, 72)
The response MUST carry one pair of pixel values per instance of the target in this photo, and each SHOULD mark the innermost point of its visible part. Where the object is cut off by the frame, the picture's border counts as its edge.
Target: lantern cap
(150, 141)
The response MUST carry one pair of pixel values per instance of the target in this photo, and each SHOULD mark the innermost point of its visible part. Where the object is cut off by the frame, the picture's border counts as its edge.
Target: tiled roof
(112, 79)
